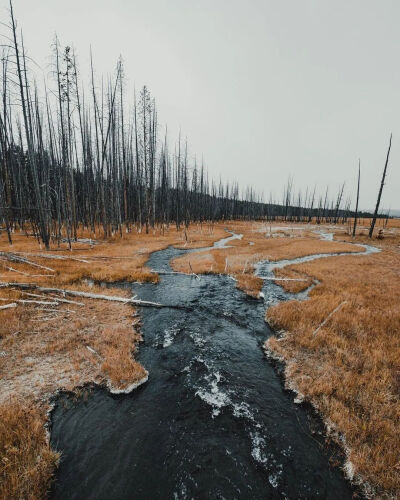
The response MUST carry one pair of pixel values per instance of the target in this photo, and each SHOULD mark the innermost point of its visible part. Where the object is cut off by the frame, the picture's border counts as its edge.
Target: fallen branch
(166, 272)
(281, 279)
(9, 306)
(40, 302)
(57, 257)
(329, 316)
(76, 293)
(46, 309)
(25, 274)
(193, 274)
(174, 272)
(80, 240)
(16, 258)
(93, 351)
(55, 298)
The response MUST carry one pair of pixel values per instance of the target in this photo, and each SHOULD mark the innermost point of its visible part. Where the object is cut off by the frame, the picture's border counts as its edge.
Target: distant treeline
(83, 157)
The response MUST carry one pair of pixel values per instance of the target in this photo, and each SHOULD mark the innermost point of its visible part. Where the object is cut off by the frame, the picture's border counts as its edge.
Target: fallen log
(193, 273)
(9, 306)
(40, 302)
(282, 279)
(329, 316)
(55, 298)
(173, 272)
(52, 256)
(16, 258)
(77, 293)
(25, 274)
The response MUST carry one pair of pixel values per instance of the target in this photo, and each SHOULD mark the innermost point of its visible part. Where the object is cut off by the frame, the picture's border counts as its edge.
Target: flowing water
(213, 420)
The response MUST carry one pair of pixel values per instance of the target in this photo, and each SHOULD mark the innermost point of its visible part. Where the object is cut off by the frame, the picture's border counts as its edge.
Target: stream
(213, 420)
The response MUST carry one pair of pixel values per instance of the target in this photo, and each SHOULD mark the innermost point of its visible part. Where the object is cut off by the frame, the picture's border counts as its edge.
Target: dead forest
(77, 154)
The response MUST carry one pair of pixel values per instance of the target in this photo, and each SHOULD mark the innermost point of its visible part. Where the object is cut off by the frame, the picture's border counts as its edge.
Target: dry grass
(349, 369)
(26, 460)
(46, 350)
(293, 273)
(116, 259)
(259, 242)
(249, 284)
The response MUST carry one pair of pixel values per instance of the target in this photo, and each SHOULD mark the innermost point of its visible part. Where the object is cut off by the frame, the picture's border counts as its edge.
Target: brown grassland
(349, 369)
(259, 242)
(49, 347)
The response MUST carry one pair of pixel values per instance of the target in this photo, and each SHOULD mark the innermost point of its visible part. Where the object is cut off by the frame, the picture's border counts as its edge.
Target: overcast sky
(263, 89)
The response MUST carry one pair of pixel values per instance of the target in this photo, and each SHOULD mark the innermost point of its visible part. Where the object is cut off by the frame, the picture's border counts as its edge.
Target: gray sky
(264, 89)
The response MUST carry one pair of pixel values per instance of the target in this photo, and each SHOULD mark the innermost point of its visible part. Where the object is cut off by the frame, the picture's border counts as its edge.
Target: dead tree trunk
(378, 201)
(358, 194)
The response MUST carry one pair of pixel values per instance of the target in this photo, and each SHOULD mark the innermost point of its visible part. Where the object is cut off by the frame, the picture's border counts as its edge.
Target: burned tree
(378, 201)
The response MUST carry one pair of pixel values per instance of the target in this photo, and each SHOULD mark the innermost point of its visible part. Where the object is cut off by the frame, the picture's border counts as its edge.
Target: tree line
(81, 156)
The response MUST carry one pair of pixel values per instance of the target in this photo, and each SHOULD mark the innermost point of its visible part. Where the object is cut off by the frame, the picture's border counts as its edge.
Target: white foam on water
(213, 395)
(242, 410)
(169, 335)
(267, 460)
(198, 339)
(274, 479)
(182, 493)
(257, 448)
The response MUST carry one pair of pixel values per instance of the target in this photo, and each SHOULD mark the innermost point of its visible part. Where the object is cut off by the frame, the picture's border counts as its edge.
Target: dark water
(213, 420)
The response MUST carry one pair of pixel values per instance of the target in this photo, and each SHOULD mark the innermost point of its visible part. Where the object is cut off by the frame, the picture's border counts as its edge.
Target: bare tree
(378, 201)
(358, 195)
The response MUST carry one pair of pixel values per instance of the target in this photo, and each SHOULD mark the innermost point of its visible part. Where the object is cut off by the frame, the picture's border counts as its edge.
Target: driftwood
(66, 301)
(175, 272)
(16, 258)
(9, 306)
(93, 351)
(25, 274)
(46, 309)
(80, 240)
(55, 298)
(329, 316)
(40, 302)
(171, 272)
(52, 256)
(193, 274)
(281, 279)
(76, 293)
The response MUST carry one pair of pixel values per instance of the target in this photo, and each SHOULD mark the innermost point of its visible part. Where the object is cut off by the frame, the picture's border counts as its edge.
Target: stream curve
(213, 420)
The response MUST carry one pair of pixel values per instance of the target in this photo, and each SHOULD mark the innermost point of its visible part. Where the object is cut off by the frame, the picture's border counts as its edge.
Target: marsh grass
(350, 368)
(26, 460)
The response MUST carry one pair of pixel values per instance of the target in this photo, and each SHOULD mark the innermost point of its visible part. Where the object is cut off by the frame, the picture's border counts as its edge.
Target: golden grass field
(259, 242)
(45, 348)
(349, 370)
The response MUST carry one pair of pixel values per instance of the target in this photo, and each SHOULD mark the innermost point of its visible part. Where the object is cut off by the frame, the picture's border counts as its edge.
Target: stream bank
(212, 421)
